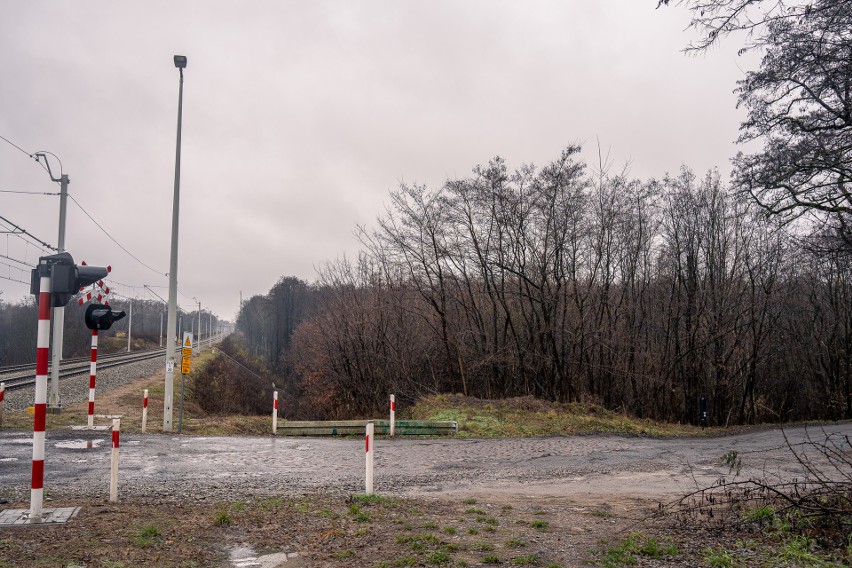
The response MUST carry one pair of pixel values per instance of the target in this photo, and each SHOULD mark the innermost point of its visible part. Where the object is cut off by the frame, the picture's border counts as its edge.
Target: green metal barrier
(350, 427)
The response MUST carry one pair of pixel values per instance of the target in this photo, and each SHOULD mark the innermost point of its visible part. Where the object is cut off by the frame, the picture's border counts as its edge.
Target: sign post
(185, 367)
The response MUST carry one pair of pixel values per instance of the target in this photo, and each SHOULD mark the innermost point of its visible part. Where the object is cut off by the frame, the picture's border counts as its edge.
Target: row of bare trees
(18, 322)
(570, 284)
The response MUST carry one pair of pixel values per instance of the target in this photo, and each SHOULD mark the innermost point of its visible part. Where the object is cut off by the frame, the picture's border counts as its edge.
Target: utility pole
(53, 401)
(130, 325)
(199, 326)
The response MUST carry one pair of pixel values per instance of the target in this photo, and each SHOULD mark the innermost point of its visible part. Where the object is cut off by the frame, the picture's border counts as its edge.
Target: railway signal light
(99, 316)
(66, 278)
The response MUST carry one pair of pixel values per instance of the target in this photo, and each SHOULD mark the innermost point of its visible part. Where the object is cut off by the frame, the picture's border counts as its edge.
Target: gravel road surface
(163, 467)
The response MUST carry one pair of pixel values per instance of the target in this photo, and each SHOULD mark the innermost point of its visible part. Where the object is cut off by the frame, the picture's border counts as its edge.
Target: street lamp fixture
(180, 61)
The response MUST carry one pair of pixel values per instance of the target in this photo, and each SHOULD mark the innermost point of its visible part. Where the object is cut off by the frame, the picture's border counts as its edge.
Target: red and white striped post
(40, 404)
(144, 409)
(275, 412)
(113, 474)
(392, 414)
(93, 366)
(2, 396)
(369, 447)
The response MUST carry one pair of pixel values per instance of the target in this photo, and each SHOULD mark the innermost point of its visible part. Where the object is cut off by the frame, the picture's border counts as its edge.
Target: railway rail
(16, 379)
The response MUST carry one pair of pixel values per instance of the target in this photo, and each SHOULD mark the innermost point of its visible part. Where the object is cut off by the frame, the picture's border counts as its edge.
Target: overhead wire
(27, 264)
(24, 231)
(16, 146)
(35, 156)
(12, 279)
(9, 272)
(133, 256)
(27, 192)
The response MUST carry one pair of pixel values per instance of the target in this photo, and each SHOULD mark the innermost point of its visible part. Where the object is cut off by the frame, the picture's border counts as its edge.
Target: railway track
(21, 376)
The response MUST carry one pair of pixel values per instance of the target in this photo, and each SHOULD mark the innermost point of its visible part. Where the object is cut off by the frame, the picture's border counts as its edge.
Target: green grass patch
(515, 543)
(528, 416)
(439, 558)
(718, 558)
(482, 546)
(146, 536)
(539, 524)
(526, 560)
(222, 519)
(366, 499)
(636, 544)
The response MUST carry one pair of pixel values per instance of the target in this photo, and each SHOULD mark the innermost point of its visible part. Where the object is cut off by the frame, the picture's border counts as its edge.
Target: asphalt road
(164, 467)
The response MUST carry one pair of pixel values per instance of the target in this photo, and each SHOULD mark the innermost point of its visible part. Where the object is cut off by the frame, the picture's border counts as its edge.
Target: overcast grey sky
(299, 117)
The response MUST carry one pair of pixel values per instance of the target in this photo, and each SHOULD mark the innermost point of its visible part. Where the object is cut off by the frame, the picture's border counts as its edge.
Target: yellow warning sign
(188, 341)
(187, 351)
(185, 364)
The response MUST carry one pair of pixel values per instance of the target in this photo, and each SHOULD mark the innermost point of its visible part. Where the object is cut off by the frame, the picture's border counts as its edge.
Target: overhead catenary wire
(16, 146)
(27, 264)
(10, 267)
(133, 256)
(13, 279)
(27, 192)
(25, 232)
(32, 155)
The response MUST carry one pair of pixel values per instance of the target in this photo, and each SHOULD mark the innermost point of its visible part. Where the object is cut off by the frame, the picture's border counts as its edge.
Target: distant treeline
(568, 284)
(19, 321)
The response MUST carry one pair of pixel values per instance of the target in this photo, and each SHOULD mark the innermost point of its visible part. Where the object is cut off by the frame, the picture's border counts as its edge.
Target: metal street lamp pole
(180, 63)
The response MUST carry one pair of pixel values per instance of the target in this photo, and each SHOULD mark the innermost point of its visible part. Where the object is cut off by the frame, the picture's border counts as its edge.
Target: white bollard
(274, 412)
(113, 476)
(392, 414)
(2, 396)
(369, 458)
(144, 409)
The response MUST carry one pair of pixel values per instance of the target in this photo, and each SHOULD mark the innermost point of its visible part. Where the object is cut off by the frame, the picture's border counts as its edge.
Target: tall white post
(161, 329)
(113, 472)
(370, 444)
(275, 412)
(392, 414)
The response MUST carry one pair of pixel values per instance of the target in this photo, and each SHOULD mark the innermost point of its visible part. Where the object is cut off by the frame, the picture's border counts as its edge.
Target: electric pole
(53, 401)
